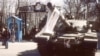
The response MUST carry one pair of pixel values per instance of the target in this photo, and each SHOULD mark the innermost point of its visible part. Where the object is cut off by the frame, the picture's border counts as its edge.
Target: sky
(57, 2)
(54, 2)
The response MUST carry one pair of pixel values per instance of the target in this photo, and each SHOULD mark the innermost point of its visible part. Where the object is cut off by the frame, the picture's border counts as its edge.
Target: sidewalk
(19, 49)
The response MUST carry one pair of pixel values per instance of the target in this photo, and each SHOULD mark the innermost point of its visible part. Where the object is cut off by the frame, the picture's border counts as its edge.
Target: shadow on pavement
(29, 53)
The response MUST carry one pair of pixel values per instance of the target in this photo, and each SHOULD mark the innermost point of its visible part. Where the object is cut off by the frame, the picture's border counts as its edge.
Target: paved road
(20, 49)
(97, 53)
(23, 49)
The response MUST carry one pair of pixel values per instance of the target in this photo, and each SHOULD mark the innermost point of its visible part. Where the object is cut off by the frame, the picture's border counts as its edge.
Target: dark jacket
(6, 34)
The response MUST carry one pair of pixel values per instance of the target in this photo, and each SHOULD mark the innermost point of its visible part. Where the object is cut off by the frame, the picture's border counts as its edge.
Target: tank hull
(61, 47)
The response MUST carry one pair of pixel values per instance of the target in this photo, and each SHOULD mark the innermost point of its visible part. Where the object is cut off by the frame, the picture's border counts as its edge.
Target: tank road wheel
(46, 49)
(90, 52)
(42, 50)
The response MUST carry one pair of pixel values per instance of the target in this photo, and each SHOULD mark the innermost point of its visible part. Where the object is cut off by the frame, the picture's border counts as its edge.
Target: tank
(63, 37)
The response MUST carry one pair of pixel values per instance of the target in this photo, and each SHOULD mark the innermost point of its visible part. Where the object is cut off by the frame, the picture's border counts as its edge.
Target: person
(13, 35)
(33, 32)
(50, 9)
(6, 36)
(27, 36)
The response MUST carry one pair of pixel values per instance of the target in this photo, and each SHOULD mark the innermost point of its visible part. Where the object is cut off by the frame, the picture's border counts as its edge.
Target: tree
(75, 8)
